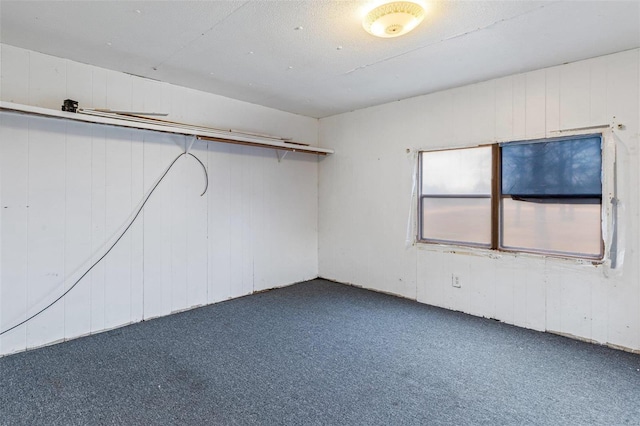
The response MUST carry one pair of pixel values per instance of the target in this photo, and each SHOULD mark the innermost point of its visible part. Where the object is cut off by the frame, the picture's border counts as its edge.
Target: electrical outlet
(455, 280)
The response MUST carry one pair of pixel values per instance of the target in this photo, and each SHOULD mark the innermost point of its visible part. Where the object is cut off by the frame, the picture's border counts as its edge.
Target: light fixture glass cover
(393, 19)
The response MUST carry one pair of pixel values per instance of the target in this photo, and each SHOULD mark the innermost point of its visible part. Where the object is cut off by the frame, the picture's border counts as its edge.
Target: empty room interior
(320, 212)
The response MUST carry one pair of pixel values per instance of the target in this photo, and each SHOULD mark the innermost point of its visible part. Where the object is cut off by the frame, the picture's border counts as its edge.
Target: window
(535, 196)
(456, 196)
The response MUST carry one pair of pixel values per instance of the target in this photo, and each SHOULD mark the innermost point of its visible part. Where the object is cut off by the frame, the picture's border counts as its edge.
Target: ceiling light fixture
(393, 19)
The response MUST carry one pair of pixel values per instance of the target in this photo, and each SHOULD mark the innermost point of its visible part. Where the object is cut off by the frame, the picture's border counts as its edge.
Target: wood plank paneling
(155, 163)
(538, 292)
(178, 185)
(598, 91)
(431, 279)
(220, 217)
(237, 203)
(119, 90)
(461, 117)
(117, 290)
(73, 187)
(535, 104)
(79, 84)
(504, 291)
(519, 105)
(98, 231)
(14, 79)
(504, 108)
(247, 226)
(263, 192)
(77, 246)
(159, 233)
(552, 100)
(137, 229)
(99, 88)
(47, 81)
(35, 244)
(197, 260)
(14, 170)
(479, 282)
(46, 233)
(575, 81)
(483, 112)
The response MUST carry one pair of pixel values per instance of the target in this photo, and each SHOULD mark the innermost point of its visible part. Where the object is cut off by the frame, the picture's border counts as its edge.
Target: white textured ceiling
(252, 51)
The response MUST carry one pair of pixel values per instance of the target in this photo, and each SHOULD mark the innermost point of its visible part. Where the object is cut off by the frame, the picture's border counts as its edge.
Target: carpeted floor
(320, 353)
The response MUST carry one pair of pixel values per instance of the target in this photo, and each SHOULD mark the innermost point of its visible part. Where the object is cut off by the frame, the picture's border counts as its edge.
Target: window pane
(458, 171)
(457, 219)
(568, 228)
(569, 167)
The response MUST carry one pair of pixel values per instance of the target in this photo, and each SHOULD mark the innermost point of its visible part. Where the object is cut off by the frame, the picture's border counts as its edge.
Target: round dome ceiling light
(393, 19)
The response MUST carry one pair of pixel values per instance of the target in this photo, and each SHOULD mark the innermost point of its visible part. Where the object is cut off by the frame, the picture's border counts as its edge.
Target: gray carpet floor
(320, 353)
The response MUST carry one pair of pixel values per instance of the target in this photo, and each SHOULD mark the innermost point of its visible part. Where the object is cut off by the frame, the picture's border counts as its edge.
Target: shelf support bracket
(281, 156)
(193, 139)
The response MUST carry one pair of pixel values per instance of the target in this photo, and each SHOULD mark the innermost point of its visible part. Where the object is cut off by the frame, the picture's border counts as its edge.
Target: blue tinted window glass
(570, 167)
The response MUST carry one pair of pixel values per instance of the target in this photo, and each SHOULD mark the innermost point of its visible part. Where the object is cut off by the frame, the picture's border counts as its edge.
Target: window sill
(504, 254)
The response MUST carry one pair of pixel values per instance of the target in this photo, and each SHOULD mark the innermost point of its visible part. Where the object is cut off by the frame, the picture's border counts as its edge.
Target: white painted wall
(365, 200)
(66, 188)
(257, 227)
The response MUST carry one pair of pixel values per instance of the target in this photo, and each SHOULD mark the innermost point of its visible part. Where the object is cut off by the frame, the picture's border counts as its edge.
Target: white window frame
(608, 203)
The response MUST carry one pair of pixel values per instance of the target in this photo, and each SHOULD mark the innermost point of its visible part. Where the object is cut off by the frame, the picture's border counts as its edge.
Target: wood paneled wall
(366, 200)
(67, 189)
